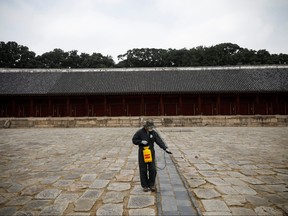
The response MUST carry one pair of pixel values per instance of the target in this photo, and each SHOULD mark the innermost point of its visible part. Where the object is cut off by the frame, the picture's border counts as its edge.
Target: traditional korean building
(245, 90)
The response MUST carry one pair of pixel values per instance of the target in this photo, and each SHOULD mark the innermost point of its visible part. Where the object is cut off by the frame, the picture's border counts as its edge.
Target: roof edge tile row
(27, 70)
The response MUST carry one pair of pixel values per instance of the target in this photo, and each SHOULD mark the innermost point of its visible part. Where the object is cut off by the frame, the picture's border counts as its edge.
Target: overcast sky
(112, 27)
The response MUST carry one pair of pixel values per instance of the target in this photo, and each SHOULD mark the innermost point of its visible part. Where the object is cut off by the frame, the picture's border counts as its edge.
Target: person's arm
(161, 143)
(137, 139)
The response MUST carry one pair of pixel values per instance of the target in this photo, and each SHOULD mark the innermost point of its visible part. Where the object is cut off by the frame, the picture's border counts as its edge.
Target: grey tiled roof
(143, 80)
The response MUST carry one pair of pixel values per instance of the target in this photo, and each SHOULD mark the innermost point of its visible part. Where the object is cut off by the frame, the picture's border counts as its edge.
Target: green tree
(73, 60)
(282, 58)
(54, 59)
(263, 56)
(16, 56)
(246, 57)
(179, 58)
(96, 60)
(145, 57)
(225, 53)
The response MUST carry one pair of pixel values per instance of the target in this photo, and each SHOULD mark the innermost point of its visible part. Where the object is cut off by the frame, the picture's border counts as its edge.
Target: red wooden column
(124, 113)
(276, 108)
(87, 106)
(179, 111)
(199, 105)
(105, 106)
(31, 108)
(238, 105)
(257, 106)
(68, 110)
(50, 112)
(142, 111)
(218, 111)
(13, 107)
(161, 105)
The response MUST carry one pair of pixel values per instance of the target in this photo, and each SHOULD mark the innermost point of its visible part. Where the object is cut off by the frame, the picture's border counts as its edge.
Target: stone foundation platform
(160, 121)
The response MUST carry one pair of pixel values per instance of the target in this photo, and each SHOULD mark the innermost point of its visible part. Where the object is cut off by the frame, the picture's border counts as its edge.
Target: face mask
(150, 129)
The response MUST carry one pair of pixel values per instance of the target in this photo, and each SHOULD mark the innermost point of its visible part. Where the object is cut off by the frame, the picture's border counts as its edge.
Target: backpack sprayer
(147, 154)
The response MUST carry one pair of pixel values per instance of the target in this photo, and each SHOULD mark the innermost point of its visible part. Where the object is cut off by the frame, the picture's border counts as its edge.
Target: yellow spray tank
(147, 154)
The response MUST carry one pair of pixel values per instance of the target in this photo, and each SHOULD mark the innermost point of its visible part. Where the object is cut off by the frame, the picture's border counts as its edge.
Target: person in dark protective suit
(146, 136)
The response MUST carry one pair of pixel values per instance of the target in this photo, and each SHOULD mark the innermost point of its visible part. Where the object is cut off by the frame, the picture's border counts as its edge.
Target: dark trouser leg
(152, 170)
(152, 173)
(142, 170)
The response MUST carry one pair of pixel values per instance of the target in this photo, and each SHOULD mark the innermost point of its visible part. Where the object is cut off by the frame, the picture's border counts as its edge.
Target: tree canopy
(13, 55)
(218, 55)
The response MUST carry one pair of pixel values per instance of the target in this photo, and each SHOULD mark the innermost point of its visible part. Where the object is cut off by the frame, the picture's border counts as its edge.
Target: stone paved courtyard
(71, 172)
(94, 171)
(233, 171)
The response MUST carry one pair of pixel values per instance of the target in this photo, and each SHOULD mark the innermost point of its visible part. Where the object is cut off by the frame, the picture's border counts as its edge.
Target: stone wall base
(160, 121)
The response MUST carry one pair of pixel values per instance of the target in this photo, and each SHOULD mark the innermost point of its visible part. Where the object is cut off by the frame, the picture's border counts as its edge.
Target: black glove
(168, 151)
